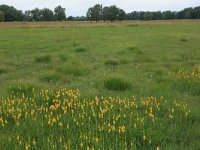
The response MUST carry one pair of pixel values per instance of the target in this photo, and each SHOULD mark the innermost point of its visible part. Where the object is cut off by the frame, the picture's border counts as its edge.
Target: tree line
(96, 13)
(187, 13)
(9, 13)
(113, 13)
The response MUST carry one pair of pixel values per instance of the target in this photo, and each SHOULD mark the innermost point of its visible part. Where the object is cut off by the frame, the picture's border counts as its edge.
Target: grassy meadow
(72, 87)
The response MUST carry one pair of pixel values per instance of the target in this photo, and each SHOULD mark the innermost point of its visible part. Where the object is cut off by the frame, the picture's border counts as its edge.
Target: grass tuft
(112, 62)
(3, 70)
(116, 84)
(50, 78)
(41, 59)
(183, 40)
(81, 49)
(73, 70)
(63, 58)
(21, 89)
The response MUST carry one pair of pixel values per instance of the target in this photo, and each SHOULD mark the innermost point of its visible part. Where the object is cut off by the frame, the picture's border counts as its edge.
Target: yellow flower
(34, 142)
(54, 120)
(52, 107)
(26, 147)
(81, 145)
(157, 148)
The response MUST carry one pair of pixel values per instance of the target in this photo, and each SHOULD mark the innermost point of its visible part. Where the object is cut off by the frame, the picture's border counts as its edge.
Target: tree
(156, 15)
(36, 14)
(121, 14)
(113, 13)
(47, 14)
(2, 16)
(148, 15)
(60, 13)
(105, 13)
(168, 15)
(189, 13)
(94, 13)
(89, 14)
(11, 14)
(27, 16)
(70, 18)
(197, 12)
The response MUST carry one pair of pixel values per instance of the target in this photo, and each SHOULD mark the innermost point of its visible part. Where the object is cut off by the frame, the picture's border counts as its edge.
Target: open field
(141, 59)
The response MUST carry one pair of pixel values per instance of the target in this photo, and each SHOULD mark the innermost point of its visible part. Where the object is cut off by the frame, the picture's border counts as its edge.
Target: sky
(79, 7)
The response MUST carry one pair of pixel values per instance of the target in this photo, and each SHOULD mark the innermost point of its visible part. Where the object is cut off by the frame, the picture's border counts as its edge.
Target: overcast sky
(79, 7)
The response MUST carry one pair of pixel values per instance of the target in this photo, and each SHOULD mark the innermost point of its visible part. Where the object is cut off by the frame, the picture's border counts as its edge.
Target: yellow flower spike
(81, 145)
(34, 142)
(54, 120)
(157, 148)
(52, 107)
(26, 146)
(144, 137)
(60, 124)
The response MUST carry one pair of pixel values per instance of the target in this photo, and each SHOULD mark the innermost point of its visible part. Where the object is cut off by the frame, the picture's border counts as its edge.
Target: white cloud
(79, 7)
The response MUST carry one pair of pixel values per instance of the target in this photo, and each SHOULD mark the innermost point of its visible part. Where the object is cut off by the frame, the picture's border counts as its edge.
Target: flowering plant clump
(192, 74)
(63, 120)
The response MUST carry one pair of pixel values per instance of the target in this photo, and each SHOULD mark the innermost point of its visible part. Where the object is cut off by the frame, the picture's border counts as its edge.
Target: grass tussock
(75, 44)
(73, 70)
(183, 40)
(63, 58)
(50, 78)
(116, 84)
(21, 89)
(43, 59)
(3, 70)
(112, 62)
(81, 49)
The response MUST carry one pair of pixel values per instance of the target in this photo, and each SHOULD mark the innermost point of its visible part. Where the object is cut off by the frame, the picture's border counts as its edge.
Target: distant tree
(46, 14)
(157, 15)
(180, 15)
(60, 13)
(89, 14)
(11, 14)
(168, 15)
(70, 18)
(148, 15)
(79, 18)
(189, 13)
(27, 16)
(36, 14)
(197, 12)
(113, 13)
(121, 14)
(129, 16)
(94, 13)
(2, 16)
(105, 13)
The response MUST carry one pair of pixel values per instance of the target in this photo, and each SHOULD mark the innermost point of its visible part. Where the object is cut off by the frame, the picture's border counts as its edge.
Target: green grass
(45, 58)
(116, 84)
(87, 58)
